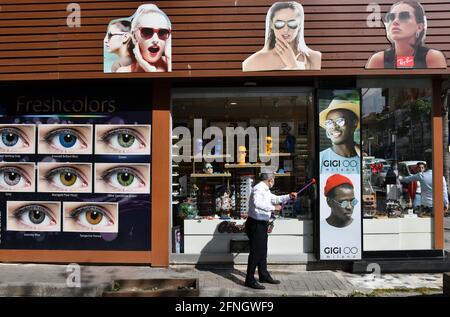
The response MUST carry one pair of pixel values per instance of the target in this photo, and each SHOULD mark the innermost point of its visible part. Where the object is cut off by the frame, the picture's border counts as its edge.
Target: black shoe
(255, 285)
(269, 280)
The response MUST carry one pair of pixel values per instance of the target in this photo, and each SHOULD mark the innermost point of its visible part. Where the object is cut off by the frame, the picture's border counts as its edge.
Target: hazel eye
(66, 140)
(13, 139)
(13, 178)
(93, 218)
(124, 140)
(124, 178)
(66, 178)
(35, 216)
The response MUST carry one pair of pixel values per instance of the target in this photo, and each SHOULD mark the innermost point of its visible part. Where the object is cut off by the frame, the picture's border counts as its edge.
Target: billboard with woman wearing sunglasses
(406, 30)
(142, 42)
(285, 47)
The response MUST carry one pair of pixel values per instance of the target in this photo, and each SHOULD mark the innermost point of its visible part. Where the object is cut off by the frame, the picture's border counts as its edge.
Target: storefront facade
(58, 67)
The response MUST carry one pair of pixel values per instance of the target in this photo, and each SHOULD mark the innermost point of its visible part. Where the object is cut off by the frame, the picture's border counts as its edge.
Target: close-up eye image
(121, 178)
(90, 217)
(65, 139)
(122, 139)
(17, 177)
(33, 216)
(17, 138)
(65, 177)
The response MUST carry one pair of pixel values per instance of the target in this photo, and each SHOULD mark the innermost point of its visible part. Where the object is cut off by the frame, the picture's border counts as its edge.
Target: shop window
(397, 144)
(214, 175)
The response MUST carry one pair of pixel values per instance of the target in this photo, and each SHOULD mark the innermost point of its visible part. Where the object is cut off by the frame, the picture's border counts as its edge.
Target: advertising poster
(139, 43)
(406, 29)
(75, 181)
(340, 175)
(284, 44)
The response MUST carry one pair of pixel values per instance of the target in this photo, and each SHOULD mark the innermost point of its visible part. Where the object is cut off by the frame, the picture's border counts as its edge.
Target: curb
(50, 290)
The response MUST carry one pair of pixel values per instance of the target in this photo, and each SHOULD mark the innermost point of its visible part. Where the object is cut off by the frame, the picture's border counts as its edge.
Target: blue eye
(10, 138)
(67, 139)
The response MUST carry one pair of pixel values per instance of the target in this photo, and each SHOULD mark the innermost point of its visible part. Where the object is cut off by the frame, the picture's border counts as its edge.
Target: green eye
(126, 140)
(125, 179)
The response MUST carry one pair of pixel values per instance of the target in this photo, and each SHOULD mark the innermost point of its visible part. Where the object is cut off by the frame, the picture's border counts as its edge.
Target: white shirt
(262, 202)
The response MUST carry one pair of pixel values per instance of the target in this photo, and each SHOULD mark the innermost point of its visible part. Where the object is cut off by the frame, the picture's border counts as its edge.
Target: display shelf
(198, 175)
(275, 155)
(201, 158)
(247, 165)
(211, 156)
(283, 175)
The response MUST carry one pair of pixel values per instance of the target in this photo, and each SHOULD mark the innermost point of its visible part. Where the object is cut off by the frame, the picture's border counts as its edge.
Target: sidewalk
(50, 280)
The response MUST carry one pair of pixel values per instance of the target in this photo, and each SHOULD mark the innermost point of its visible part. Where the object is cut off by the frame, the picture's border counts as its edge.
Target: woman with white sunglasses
(285, 47)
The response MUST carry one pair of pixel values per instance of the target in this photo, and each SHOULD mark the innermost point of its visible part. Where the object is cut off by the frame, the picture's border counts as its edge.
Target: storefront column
(438, 166)
(161, 166)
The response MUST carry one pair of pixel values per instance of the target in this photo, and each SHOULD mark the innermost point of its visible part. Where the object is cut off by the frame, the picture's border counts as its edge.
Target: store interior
(220, 189)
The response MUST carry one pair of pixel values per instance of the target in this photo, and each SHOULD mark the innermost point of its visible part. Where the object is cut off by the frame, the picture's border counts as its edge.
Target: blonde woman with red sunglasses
(151, 33)
(285, 47)
(406, 29)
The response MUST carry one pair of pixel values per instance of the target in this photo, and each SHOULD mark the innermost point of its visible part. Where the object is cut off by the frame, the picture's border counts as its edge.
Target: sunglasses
(346, 203)
(340, 122)
(402, 16)
(147, 33)
(109, 35)
(279, 24)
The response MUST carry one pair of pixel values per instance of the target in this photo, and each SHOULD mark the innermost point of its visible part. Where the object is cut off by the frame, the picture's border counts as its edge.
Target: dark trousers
(257, 234)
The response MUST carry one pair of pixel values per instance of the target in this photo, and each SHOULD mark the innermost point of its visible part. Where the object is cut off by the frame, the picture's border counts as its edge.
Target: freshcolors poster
(76, 182)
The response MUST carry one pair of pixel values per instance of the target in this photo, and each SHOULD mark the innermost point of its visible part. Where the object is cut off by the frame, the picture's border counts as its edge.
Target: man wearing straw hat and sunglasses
(340, 121)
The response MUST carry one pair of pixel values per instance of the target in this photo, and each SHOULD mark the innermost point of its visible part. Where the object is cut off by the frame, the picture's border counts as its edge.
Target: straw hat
(339, 104)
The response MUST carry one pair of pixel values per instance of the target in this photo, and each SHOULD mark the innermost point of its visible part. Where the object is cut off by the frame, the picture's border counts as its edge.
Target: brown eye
(94, 217)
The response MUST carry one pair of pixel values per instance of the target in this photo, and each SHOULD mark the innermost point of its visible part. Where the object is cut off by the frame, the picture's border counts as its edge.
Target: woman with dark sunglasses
(151, 33)
(406, 28)
(118, 41)
(285, 47)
